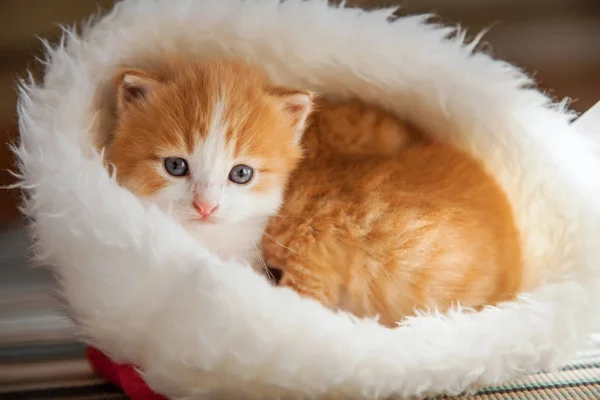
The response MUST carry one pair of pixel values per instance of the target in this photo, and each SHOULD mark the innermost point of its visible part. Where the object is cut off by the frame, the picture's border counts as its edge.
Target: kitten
(378, 225)
(212, 143)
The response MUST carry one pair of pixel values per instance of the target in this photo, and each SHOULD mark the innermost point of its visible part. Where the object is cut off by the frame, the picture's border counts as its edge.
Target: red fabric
(121, 375)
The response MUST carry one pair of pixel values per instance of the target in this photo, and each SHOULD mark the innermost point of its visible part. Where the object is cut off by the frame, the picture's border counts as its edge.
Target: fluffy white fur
(141, 289)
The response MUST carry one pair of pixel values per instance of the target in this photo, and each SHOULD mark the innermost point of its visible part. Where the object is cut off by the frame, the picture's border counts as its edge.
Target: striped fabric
(580, 379)
(40, 359)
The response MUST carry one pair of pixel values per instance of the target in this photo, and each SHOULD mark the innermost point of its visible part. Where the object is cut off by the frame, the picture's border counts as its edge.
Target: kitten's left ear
(296, 104)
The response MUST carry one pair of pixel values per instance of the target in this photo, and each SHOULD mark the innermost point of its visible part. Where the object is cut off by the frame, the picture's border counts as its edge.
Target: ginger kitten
(212, 143)
(378, 221)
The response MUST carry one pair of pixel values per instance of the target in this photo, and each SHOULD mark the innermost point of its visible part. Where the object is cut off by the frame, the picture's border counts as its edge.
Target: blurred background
(556, 41)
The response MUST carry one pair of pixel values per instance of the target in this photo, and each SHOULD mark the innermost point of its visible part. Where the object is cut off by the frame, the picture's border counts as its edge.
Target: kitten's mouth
(200, 219)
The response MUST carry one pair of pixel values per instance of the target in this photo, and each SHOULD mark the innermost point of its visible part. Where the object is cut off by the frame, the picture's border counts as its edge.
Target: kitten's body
(378, 233)
(183, 127)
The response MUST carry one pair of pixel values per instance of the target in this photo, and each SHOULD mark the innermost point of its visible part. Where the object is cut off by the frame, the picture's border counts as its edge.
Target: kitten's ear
(296, 104)
(133, 87)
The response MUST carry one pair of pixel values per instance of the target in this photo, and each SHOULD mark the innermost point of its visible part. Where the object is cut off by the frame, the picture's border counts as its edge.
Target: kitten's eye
(176, 166)
(241, 174)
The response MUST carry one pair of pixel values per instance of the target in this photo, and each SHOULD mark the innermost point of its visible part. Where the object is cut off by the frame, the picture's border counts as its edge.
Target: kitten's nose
(204, 208)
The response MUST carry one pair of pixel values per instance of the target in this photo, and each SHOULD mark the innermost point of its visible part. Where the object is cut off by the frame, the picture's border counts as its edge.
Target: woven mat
(579, 379)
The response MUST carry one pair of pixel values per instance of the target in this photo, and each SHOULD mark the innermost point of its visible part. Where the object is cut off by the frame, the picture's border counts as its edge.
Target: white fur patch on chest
(231, 241)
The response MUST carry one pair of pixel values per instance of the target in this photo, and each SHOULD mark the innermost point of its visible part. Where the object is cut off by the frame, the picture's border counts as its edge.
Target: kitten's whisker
(263, 264)
(286, 216)
(271, 238)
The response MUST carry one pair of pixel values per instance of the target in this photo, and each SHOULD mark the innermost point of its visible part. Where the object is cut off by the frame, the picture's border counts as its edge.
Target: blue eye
(176, 166)
(241, 174)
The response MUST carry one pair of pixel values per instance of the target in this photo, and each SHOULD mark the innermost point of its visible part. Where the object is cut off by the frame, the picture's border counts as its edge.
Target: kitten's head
(208, 141)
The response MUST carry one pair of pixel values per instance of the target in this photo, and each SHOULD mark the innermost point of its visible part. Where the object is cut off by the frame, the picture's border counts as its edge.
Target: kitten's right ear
(296, 104)
(133, 87)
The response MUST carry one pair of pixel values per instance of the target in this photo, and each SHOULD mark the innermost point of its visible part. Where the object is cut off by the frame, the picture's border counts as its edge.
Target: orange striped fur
(378, 221)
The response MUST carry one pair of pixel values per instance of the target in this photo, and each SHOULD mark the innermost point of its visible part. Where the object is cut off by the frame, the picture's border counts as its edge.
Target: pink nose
(203, 208)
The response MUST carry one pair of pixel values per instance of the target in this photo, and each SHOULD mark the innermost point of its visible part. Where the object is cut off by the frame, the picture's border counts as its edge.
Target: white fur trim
(141, 289)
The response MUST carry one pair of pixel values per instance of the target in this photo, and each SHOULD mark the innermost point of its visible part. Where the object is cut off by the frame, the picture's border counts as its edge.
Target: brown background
(558, 41)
